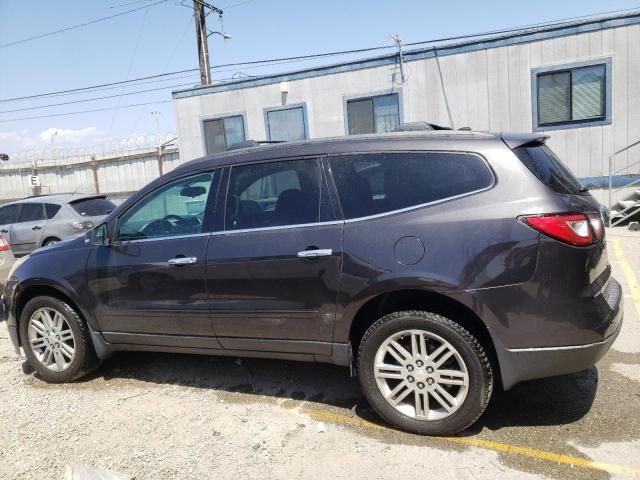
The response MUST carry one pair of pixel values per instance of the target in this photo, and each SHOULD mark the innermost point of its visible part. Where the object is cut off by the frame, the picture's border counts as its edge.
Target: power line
(73, 27)
(83, 111)
(294, 58)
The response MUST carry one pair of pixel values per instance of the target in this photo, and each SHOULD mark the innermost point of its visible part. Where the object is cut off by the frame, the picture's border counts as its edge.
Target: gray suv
(436, 265)
(46, 219)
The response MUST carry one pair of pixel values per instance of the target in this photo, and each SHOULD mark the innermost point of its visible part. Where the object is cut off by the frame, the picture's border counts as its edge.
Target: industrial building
(577, 81)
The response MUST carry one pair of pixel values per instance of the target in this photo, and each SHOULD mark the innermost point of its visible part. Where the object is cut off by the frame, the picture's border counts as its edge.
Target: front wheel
(424, 373)
(56, 340)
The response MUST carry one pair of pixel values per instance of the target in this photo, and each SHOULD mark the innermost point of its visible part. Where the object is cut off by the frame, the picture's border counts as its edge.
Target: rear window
(370, 184)
(549, 169)
(93, 207)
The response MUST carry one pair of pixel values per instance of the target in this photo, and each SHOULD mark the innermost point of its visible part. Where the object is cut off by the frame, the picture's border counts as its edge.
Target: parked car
(6, 259)
(435, 264)
(46, 219)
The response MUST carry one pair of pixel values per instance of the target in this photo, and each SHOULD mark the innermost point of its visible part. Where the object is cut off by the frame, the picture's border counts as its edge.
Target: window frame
(608, 82)
(210, 219)
(371, 95)
(222, 116)
(336, 194)
(326, 178)
(305, 118)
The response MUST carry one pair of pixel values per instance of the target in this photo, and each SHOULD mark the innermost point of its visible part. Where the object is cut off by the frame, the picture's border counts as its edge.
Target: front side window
(286, 124)
(31, 212)
(370, 184)
(8, 214)
(571, 96)
(177, 208)
(377, 114)
(220, 134)
(276, 194)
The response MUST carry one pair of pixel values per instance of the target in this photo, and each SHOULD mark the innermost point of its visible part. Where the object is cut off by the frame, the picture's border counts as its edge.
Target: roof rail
(419, 126)
(253, 143)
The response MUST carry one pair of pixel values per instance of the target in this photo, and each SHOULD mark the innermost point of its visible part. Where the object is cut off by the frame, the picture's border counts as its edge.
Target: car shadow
(552, 401)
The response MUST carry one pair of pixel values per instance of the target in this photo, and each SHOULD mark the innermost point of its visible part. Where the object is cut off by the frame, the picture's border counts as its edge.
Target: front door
(274, 274)
(150, 278)
(26, 233)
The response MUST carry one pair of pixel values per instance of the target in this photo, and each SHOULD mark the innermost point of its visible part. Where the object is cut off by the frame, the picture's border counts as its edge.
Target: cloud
(69, 135)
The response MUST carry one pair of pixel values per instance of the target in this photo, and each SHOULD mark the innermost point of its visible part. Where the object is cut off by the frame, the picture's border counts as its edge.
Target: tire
(50, 241)
(465, 373)
(56, 358)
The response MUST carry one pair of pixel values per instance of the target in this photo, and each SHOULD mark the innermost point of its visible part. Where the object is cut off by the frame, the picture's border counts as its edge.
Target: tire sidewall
(80, 348)
(479, 372)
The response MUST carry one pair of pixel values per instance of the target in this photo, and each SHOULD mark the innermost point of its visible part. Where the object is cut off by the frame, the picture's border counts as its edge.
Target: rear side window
(31, 212)
(93, 207)
(8, 214)
(549, 169)
(370, 184)
(51, 210)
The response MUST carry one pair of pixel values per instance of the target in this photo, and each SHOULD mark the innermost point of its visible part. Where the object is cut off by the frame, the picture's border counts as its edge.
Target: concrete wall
(118, 176)
(487, 89)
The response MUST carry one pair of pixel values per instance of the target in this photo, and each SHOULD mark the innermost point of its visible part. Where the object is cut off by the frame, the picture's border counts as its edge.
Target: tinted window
(222, 133)
(93, 207)
(373, 115)
(549, 169)
(8, 214)
(276, 194)
(377, 183)
(31, 212)
(51, 210)
(177, 208)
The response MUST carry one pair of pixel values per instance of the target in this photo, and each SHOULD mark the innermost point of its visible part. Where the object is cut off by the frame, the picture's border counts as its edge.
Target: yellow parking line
(630, 277)
(489, 445)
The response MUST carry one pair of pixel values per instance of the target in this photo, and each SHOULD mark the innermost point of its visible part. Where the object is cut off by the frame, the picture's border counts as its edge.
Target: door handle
(4, 231)
(179, 261)
(321, 252)
(36, 227)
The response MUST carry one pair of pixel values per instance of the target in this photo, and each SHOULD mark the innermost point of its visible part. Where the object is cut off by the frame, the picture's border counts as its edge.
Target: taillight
(4, 245)
(577, 229)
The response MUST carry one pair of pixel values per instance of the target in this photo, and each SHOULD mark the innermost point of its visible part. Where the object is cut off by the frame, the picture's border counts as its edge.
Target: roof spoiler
(515, 140)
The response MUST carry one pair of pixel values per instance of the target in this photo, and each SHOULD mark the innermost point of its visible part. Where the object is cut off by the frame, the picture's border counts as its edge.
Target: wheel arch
(30, 292)
(426, 300)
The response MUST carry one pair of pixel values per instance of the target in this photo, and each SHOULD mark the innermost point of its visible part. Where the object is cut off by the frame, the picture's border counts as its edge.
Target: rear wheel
(424, 373)
(50, 241)
(56, 340)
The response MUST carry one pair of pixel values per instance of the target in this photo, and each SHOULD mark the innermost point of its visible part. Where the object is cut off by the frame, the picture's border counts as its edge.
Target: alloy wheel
(421, 375)
(51, 338)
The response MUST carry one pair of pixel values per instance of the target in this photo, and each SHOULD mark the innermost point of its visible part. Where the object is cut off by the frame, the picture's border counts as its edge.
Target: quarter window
(31, 212)
(51, 210)
(220, 134)
(371, 184)
(373, 114)
(276, 194)
(178, 208)
(286, 124)
(571, 96)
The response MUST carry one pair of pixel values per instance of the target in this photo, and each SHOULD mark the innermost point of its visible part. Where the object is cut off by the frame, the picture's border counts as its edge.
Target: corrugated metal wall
(117, 176)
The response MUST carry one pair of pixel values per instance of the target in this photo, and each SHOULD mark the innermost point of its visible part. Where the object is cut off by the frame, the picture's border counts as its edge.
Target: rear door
(8, 216)
(26, 234)
(273, 275)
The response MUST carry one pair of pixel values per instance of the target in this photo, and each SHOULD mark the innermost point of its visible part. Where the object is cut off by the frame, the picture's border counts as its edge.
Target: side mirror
(100, 235)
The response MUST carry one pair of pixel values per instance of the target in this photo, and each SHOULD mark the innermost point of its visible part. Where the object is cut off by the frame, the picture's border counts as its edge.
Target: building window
(571, 96)
(377, 114)
(286, 123)
(220, 134)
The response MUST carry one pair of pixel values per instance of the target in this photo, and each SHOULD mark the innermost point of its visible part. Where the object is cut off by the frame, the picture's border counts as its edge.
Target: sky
(161, 39)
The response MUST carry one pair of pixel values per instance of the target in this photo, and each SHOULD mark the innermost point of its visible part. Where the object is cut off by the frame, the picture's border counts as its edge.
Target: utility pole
(202, 38)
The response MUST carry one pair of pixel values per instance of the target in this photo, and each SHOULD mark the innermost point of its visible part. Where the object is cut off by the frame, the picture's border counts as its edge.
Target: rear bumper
(518, 365)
